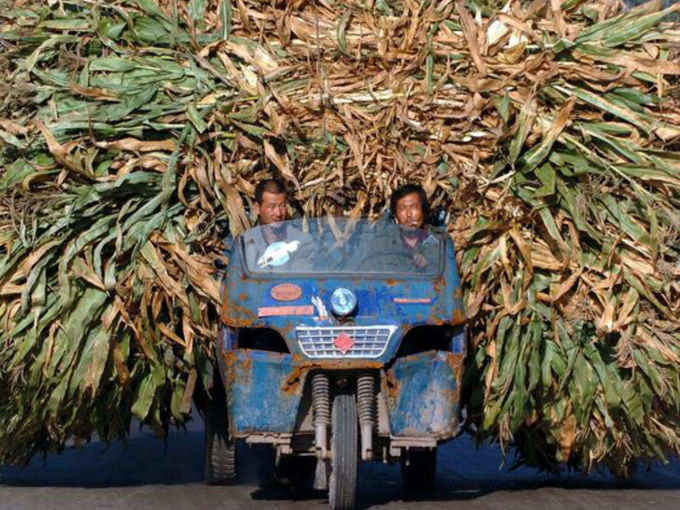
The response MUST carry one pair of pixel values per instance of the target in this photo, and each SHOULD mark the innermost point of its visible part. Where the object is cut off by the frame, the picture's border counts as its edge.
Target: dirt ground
(148, 474)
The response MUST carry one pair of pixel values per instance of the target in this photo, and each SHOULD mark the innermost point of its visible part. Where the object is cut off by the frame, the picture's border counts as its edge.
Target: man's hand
(419, 260)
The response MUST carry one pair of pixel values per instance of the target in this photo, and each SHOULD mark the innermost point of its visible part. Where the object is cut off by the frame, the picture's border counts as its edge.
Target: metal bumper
(423, 394)
(265, 391)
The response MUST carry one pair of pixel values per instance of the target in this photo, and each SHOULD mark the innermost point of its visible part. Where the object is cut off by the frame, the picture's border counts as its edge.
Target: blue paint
(375, 304)
(227, 338)
(254, 393)
(458, 340)
(425, 402)
(419, 405)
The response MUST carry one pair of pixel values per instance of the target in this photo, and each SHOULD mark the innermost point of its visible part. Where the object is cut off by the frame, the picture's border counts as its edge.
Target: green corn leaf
(225, 14)
(145, 397)
(342, 29)
(546, 174)
(197, 9)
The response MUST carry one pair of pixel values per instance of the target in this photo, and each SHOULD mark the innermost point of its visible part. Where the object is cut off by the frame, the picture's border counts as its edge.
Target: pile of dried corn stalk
(133, 131)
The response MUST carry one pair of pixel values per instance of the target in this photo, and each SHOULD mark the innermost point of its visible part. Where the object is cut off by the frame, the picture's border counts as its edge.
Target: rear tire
(219, 452)
(342, 485)
(419, 475)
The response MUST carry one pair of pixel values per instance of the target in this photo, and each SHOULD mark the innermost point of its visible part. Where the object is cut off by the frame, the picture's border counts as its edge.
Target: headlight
(343, 301)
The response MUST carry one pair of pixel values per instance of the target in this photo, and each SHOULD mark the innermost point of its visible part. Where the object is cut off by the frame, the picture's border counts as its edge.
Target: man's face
(273, 209)
(409, 212)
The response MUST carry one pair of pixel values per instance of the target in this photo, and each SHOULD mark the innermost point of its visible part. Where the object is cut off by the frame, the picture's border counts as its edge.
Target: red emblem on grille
(343, 342)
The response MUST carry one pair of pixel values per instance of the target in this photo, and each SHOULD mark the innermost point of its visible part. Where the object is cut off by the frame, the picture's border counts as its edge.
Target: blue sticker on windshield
(277, 253)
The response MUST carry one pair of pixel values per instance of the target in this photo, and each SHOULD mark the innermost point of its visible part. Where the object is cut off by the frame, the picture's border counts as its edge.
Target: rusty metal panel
(423, 393)
(259, 396)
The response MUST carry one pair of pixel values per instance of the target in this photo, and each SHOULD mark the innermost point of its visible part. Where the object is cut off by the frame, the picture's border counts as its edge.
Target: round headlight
(343, 301)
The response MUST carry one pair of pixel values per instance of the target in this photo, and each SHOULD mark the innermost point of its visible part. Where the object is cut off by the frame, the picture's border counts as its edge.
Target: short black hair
(407, 189)
(270, 186)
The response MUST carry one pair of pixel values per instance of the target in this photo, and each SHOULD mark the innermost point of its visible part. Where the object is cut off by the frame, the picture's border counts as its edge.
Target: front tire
(342, 485)
(219, 452)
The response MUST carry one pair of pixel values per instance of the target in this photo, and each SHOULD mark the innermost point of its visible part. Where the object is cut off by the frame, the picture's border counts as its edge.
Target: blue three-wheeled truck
(341, 343)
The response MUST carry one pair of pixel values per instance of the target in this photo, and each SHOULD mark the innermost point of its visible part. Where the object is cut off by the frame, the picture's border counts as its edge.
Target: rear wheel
(342, 485)
(219, 452)
(420, 472)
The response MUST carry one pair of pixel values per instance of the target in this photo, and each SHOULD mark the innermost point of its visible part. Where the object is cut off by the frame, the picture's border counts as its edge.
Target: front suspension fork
(366, 405)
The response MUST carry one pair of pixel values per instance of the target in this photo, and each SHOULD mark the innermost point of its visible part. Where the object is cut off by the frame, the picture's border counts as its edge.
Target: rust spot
(434, 316)
(297, 359)
(247, 362)
(301, 366)
(292, 384)
(458, 293)
(236, 323)
(229, 358)
(391, 386)
(243, 296)
(341, 364)
(390, 282)
(245, 374)
(451, 396)
(439, 284)
(235, 315)
(455, 361)
(458, 317)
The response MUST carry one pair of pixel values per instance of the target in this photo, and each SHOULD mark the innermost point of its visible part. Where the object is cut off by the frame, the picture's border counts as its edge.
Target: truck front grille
(367, 341)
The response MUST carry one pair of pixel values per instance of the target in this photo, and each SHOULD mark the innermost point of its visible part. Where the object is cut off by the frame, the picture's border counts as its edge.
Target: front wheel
(342, 485)
(219, 452)
(418, 475)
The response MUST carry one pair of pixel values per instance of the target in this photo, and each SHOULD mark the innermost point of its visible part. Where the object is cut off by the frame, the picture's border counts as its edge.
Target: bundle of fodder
(133, 131)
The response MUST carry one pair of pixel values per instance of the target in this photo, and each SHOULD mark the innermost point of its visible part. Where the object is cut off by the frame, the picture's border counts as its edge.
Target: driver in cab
(409, 207)
(273, 241)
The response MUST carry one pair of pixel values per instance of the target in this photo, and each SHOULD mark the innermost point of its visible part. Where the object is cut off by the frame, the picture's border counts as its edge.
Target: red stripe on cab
(274, 311)
(407, 301)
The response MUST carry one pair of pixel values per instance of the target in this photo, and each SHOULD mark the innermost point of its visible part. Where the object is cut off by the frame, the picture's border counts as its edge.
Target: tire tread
(344, 438)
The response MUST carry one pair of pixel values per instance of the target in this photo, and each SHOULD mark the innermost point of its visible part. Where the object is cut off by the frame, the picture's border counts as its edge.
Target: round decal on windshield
(277, 253)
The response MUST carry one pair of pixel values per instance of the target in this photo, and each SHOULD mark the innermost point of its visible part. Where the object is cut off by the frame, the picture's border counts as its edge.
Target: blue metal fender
(423, 393)
(259, 396)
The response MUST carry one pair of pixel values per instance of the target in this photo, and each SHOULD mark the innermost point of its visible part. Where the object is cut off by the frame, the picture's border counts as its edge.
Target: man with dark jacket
(410, 209)
(275, 244)
(271, 208)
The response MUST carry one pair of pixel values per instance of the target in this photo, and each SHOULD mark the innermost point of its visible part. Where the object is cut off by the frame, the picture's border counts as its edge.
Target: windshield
(340, 246)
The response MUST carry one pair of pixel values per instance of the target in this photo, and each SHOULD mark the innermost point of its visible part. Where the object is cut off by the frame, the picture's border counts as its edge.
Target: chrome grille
(369, 341)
